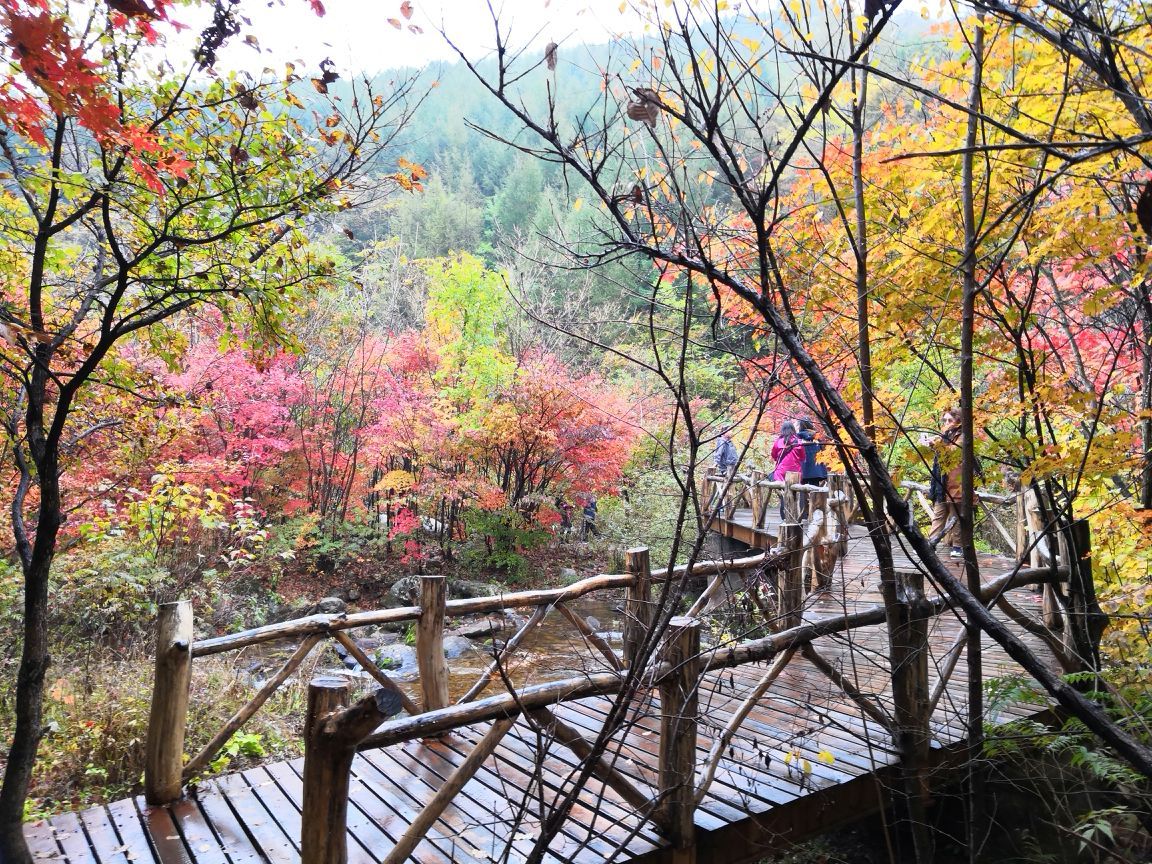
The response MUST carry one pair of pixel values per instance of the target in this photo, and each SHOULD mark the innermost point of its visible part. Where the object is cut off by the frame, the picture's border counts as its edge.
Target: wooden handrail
(677, 676)
(506, 705)
(327, 624)
(607, 683)
(768, 647)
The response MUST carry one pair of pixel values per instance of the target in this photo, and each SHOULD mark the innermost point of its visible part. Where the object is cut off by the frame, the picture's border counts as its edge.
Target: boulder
(328, 606)
(485, 626)
(398, 660)
(456, 646)
(405, 591)
(464, 589)
(568, 575)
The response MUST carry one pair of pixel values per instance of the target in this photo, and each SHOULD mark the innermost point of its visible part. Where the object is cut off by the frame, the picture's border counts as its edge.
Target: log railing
(167, 771)
(334, 728)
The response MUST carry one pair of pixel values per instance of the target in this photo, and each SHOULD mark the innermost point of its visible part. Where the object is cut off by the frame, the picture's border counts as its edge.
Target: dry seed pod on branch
(550, 55)
(645, 107)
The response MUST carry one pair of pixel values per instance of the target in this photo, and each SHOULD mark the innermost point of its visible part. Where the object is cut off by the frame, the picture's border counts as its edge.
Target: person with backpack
(945, 487)
(589, 529)
(726, 456)
(812, 473)
(788, 454)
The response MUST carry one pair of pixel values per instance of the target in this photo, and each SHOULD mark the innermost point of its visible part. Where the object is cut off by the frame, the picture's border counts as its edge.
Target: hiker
(812, 473)
(944, 490)
(589, 526)
(788, 454)
(726, 456)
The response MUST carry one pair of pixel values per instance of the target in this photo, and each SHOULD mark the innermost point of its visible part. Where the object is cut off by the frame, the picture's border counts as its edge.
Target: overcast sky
(357, 36)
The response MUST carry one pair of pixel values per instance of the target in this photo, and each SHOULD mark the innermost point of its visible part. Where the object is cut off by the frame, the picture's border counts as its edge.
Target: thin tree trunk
(34, 663)
(1144, 334)
(976, 812)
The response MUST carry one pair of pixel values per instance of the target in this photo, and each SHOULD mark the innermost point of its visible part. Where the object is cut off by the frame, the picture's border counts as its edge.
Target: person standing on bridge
(813, 473)
(726, 457)
(788, 454)
(945, 488)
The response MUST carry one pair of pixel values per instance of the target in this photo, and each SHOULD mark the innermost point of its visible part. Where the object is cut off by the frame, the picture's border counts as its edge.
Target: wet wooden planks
(804, 754)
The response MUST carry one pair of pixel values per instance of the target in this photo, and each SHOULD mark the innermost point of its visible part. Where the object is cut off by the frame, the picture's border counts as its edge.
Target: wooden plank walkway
(805, 759)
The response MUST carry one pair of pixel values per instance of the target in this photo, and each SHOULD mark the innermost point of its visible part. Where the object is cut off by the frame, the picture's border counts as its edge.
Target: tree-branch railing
(167, 770)
(337, 729)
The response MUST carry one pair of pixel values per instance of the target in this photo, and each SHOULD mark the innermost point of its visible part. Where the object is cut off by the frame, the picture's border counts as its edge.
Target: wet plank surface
(798, 760)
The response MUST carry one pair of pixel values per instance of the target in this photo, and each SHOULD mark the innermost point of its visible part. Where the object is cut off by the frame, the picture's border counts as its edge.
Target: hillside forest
(270, 337)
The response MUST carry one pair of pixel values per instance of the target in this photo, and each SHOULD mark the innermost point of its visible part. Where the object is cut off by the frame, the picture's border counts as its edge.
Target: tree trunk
(976, 810)
(34, 663)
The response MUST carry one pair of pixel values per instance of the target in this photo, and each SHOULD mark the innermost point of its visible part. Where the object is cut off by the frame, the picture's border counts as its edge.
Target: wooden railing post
(164, 760)
(756, 497)
(327, 767)
(637, 608)
(792, 585)
(1021, 528)
(791, 512)
(838, 489)
(430, 642)
(331, 735)
(679, 692)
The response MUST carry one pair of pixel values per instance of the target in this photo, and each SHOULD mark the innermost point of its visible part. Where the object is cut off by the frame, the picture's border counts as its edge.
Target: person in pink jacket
(788, 454)
(787, 451)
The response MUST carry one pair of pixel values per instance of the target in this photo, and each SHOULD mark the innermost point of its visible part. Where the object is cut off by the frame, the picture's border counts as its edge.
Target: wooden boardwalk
(806, 758)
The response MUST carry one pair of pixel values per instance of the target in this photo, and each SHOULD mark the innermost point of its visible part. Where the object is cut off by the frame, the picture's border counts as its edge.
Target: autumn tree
(692, 155)
(134, 192)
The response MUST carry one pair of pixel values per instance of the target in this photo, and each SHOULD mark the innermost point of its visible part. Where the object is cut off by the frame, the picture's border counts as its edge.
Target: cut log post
(324, 816)
(839, 491)
(908, 654)
(792, 589)
(331, 733)
(823, 551)
(791, 500)
(679, 696)
(164, 761)
(638, 607)
(757, 497)
(430, 642)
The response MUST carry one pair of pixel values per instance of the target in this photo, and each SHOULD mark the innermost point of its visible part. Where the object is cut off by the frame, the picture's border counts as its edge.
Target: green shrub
(498, 537)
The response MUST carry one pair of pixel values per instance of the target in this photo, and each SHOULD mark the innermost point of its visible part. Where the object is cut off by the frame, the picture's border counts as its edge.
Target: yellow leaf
(577, 204)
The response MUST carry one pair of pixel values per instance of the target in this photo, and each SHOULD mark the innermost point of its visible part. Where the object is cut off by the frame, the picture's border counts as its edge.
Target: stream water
(554, 650)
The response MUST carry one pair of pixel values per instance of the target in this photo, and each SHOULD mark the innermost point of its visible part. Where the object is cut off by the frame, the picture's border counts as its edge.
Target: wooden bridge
(710, 738)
